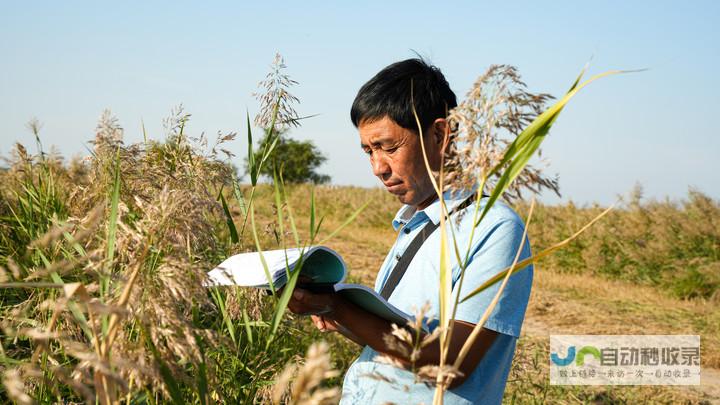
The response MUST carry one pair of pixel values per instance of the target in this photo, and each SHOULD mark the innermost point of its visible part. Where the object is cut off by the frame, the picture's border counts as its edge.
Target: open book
(323, 270)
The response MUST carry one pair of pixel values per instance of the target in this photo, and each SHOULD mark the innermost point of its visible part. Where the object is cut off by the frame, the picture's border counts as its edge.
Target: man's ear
(440, 132)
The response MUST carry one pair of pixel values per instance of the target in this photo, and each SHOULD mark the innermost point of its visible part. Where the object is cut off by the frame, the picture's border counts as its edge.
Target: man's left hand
(304, 302)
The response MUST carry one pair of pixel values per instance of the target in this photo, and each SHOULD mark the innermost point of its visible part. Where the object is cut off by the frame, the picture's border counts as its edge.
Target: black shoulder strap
(399, 270)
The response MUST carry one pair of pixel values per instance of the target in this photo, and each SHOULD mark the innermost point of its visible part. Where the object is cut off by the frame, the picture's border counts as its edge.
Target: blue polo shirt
(493, 248)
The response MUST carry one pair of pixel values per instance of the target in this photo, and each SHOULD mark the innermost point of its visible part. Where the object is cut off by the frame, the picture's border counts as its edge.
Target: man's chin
(405, 198)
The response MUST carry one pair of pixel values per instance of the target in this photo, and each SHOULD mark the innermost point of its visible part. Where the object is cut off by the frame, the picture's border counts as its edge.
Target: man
(383, 114)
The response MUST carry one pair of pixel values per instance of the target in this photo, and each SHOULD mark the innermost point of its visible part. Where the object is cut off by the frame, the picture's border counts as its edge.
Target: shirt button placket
(406, 230)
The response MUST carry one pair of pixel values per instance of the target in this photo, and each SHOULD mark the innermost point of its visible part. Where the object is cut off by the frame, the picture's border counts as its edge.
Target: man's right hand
(324, 324)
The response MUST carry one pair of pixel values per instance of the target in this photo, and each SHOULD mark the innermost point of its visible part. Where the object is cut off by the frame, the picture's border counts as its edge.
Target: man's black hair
(389, 94)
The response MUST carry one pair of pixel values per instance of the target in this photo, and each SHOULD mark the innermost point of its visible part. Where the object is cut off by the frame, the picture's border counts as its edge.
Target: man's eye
(390, 150)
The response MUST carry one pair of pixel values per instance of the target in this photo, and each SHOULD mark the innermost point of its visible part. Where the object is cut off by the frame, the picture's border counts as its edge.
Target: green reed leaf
(248, 329)
(259, 250)
(228, 218)
(285, 298)
(312, 213)
(291, 218)
(250, 154)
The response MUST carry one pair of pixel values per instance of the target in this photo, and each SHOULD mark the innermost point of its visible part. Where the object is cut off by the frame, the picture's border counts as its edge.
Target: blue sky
(65, 63)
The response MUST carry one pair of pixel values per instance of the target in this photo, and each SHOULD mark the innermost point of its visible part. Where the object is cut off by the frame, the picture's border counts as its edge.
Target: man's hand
(303, 302)
(322, 310)
(324, 324)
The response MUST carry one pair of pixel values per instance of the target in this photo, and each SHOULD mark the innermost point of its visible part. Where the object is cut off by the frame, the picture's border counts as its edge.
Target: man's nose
(380, 167)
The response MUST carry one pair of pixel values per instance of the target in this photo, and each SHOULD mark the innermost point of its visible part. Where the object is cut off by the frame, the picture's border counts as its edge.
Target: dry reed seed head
(389, 360)
(405, 340)
(323, 396)
(20, 156)
(494, 112)
(306, 387)
(75, 383)
(312, 371)
(39, 335)
(170, 221)
(60, 267)
(171, 288)
(108, 133)
(14, 383)
(402, 334)
(220, 139)
(89, 362)
(51, 236)
(431, 337)
(432, 373)
(393, 343)
(282, 383)
(416, 323)
(34, 125)
(98, 308)
(87, 225)
(175, 123)
(275, 95)
(14, 268)
(250, 300)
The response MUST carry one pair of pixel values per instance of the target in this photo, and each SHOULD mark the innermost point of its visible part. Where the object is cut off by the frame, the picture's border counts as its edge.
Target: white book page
(324, 265)
(246, 269)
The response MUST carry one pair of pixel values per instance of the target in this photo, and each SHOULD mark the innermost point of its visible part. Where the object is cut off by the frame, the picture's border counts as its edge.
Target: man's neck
(426, 203)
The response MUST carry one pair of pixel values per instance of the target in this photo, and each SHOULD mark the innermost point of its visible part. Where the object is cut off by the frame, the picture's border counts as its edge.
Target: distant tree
(297, 160)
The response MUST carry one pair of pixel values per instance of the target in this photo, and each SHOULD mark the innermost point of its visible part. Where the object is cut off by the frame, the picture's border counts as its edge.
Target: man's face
(397, 159)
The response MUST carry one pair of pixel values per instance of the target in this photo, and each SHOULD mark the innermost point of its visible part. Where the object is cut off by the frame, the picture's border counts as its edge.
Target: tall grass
(102, 270)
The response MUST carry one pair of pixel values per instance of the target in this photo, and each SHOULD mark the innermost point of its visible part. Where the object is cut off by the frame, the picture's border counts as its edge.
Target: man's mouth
(394, 188)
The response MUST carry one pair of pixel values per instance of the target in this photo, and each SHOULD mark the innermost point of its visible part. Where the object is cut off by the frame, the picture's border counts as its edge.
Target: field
(102, 261)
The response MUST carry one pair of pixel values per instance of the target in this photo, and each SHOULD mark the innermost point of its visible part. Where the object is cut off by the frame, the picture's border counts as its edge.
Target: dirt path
(709, 377)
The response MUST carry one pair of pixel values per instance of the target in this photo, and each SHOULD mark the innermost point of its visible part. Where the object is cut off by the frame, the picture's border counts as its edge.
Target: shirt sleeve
(495, 251)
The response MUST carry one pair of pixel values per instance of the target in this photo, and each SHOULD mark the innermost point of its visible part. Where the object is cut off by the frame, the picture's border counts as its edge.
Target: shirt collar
(432, 211)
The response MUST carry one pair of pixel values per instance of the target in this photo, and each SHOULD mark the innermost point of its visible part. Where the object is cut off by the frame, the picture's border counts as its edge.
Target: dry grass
(564, 303)
(306, 388)
(102, 263)
(131, 270)
(674, 246)
(529, 383)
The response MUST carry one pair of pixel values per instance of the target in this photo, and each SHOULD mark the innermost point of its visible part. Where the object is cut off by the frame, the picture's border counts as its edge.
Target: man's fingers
(291, 306)
(303, 302)
(319, 322)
